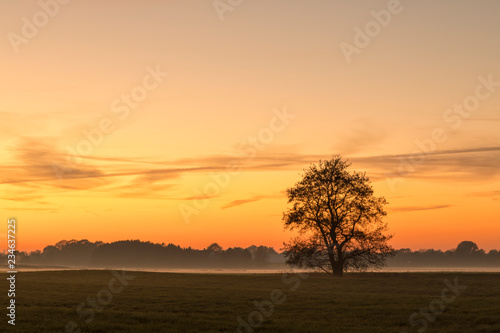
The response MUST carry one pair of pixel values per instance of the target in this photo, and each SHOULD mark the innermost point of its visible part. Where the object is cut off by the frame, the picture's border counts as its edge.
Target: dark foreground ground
(166, 302)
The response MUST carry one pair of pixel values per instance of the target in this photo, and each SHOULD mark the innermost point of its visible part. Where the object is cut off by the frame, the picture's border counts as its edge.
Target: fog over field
(147, 256)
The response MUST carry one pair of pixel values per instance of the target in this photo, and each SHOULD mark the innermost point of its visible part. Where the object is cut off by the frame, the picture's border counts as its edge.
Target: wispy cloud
(482, 119)
(364, 133)
(486, 194)
(468, 164)
(416, 208)
(22, 197)
(18, 209)
(235, 203)
(240, 202)
(32, 160)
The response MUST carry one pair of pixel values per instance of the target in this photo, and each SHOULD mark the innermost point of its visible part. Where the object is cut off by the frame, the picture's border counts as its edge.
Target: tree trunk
(338, 265)
(338, 269)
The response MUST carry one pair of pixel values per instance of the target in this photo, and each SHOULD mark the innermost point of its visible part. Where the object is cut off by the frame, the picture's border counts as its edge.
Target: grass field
(166, 302)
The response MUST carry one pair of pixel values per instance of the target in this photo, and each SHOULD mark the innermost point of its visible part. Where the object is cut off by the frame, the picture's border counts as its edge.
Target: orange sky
(126, 120)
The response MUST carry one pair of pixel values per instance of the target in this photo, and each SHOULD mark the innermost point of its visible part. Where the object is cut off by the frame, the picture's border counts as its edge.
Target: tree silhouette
(339, 220)
(214, 247)
(466, 248)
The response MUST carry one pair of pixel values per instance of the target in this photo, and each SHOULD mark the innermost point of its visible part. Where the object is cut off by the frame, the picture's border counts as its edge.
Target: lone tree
(338, 218)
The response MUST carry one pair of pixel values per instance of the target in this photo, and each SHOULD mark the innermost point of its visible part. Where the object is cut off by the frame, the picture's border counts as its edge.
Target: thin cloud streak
(240, 202)
(418, 208)
(34, 160)
(235, 203)
(487, 194)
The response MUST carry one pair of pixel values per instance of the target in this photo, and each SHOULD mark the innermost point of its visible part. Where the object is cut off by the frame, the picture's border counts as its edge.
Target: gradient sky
(226, 81)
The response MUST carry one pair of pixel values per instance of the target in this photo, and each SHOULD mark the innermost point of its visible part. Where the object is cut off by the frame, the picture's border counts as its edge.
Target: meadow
(50, 301)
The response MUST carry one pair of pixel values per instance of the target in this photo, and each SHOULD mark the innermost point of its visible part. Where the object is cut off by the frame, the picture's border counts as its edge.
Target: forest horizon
(139, 254)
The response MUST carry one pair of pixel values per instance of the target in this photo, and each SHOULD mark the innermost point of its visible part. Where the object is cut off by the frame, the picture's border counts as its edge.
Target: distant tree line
(466, 254)
(138, 254)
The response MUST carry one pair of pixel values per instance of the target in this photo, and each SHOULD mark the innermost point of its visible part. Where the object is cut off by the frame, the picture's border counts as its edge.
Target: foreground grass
(166, 302)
